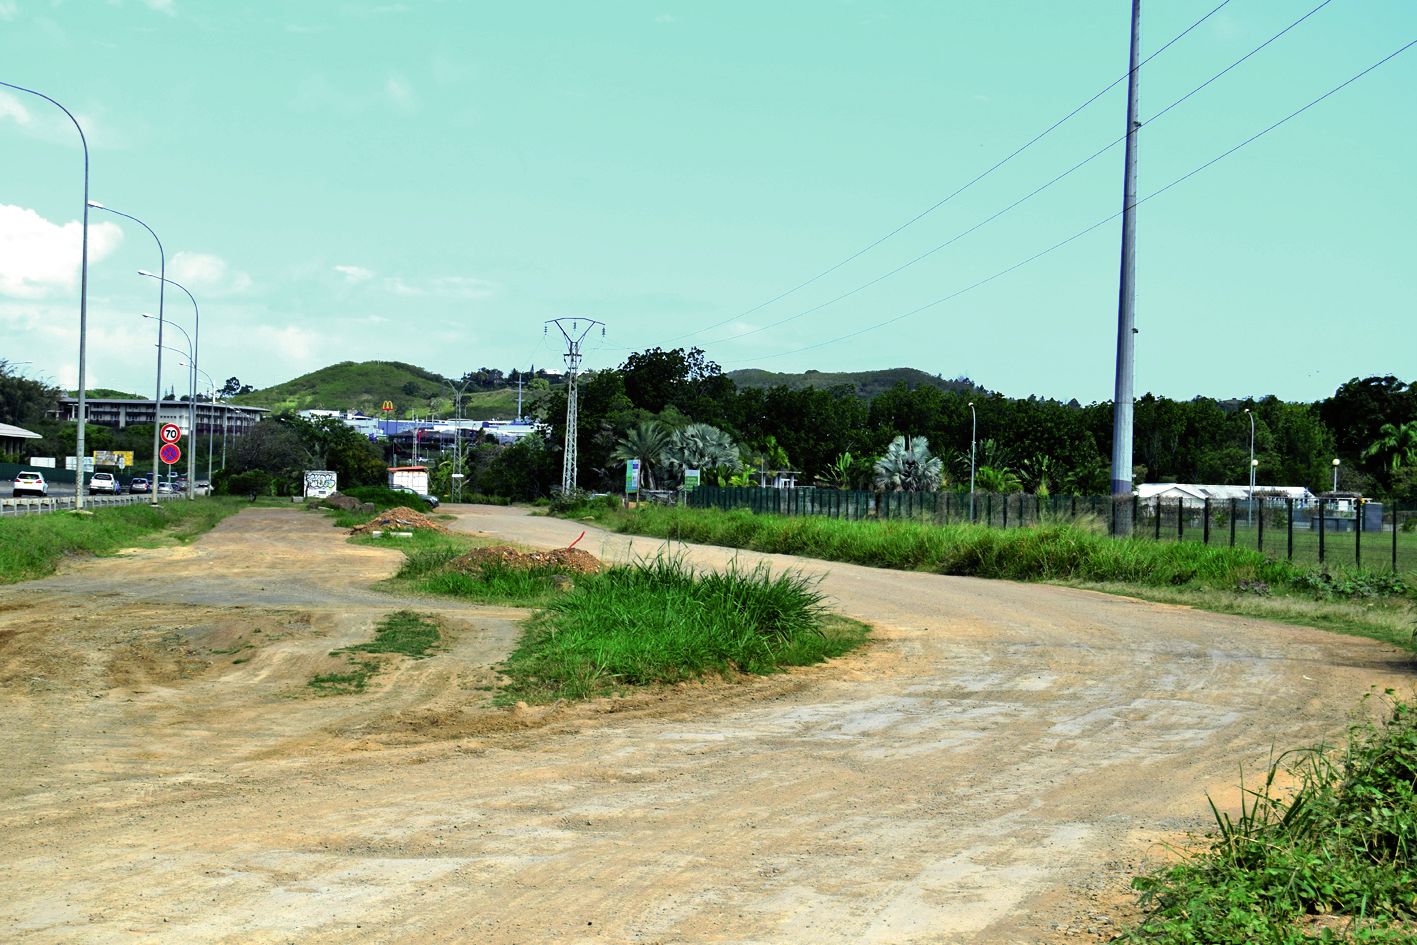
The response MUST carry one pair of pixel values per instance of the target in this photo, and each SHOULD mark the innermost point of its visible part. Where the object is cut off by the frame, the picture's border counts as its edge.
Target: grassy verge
(32, 546)
(1334, 860)
(661, 622)
(1228, 580)
(404, 633)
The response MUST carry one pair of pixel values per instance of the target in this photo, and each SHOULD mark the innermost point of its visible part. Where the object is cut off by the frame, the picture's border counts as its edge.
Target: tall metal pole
(192, 379)
(973, 435)
(1126, 298)
(458, 393)
(161, 291)
(82, 410)
(574, 336)
(1252, 466)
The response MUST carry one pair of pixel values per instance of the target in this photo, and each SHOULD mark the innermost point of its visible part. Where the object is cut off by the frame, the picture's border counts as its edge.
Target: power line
(1100, 223)
(940, 203)
(1022, 200)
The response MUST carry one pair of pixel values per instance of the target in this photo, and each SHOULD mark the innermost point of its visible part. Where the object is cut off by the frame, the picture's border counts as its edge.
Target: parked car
(139, 484)
(104, 482)
(430, 500)
(31, 483)
(166, 488)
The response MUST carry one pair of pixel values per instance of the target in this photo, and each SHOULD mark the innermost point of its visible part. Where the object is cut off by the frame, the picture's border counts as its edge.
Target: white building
(1194, 496)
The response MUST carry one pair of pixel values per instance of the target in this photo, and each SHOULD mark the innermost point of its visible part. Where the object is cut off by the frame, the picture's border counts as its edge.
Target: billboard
(123, 459)
(632, 476)
(320, 483)
(692, 479)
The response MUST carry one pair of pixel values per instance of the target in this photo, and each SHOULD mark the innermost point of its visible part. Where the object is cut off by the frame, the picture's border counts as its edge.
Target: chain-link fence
(1318, 531)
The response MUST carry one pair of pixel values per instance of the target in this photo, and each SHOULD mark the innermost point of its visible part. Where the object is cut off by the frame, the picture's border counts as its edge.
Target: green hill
(866, 383)
(365, 385)
(362, 385)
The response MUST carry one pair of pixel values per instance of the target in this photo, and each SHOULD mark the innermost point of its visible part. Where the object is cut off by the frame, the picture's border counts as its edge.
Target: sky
(429, 181)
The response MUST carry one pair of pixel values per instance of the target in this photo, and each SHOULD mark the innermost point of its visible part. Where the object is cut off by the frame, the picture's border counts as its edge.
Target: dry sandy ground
(991, 769)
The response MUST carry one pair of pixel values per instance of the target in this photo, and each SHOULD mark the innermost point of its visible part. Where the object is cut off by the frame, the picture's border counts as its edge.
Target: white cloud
(10, 107)
(208, 272)
(355, 274)
(458, 287)
(38, 257)
(161, 6)
(8, 10)
(400, 93)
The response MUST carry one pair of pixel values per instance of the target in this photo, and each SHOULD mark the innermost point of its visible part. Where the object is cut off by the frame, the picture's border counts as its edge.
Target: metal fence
(14, 506)
(1321, 531)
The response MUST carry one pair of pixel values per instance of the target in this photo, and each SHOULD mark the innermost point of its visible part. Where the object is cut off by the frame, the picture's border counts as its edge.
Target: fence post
(1234, 508)
(1321, 531)
(1289, 517)
(1157, 523)
(989, 509)
(1358, 531)
(1006, 511)
(1136, 514)
(1180, 519)
(1261, 531)
(1114, 518)
(1205, 526)
(1394, 538)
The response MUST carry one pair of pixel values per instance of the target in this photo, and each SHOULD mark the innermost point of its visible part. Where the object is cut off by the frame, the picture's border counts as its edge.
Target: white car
(104, 482)
(30, 483)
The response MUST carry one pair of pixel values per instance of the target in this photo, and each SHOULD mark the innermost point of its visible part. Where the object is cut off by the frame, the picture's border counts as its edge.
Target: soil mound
(399, 519)
(566, 560)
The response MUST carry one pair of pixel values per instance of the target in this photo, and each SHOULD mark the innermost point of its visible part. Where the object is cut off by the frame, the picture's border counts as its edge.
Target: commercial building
(118, 413)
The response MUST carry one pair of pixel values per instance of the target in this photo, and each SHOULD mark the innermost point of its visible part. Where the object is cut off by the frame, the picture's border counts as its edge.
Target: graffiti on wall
(320, 483)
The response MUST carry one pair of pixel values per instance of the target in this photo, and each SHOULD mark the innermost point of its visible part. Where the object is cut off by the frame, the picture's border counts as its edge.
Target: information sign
(632, 476)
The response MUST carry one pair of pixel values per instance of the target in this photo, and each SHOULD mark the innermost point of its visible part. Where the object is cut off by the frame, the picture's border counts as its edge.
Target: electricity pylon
(574, 336)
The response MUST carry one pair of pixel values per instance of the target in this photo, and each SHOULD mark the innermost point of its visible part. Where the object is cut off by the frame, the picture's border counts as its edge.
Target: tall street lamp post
(83, 298)
(211, 426)
(1335, 474)
(191, 401)
(973, 435)
(162, 262)
(1253, 463)
(195, 339)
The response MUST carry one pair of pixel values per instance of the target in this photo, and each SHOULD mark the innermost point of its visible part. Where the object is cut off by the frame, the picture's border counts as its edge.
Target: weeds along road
(989, 769)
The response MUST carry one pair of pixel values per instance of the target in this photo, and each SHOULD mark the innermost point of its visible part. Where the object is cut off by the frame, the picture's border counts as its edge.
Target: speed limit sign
(171, 433)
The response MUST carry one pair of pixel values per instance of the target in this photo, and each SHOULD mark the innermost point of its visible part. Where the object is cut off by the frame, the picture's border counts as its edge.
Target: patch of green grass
(1342, 845)
(403, 632)
(1223, 579)
(356, 680)
(494, 584)
(31, 546)
(661, 622)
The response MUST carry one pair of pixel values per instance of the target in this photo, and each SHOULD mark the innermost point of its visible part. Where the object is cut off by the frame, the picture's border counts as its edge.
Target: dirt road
(988, 770)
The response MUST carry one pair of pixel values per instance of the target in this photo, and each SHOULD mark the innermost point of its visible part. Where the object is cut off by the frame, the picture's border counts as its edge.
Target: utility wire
(940, 203)
(1024, 199)
(1100, 223)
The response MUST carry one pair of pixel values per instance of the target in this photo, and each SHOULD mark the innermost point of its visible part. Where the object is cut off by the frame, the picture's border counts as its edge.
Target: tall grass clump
(1058, 551)
(1333, 860)
(659, 621)
(31, 546)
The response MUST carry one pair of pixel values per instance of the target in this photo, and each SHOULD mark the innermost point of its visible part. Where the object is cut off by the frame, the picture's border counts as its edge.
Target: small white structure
(320, 483)
(414, 477)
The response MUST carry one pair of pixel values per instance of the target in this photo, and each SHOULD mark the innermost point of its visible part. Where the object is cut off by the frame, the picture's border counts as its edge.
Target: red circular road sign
(170, 453)
(170, 433)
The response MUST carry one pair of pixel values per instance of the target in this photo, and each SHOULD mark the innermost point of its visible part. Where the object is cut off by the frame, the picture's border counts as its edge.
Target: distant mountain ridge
(866, 383)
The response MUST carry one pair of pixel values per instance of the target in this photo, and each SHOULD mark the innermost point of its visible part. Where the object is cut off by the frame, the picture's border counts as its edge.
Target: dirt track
(986, 771)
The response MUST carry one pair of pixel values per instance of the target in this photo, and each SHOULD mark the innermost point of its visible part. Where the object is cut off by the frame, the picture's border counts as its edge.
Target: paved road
(990, 768)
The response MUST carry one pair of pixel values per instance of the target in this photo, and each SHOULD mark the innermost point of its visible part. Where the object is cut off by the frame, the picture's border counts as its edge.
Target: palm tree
(646, 442)
(1398, 443)
(908, 466)
(701, 446)
(996, 480)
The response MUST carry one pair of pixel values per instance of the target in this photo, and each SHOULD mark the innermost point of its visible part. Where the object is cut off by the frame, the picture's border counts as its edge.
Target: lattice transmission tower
(574, 336)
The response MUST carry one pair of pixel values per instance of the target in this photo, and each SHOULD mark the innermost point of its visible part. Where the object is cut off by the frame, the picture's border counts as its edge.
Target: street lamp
(162, 262)
(973, 434)
(211, 429)
(82, 408)
(1335, 474)
(1253, 463)
(196, 359)
(191, 401)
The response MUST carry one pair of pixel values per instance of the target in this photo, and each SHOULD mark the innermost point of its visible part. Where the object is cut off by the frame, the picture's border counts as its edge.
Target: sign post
(632, 479)
(387, 407)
